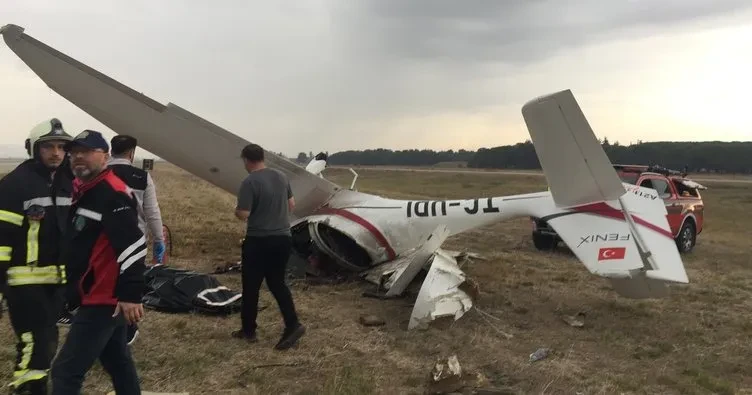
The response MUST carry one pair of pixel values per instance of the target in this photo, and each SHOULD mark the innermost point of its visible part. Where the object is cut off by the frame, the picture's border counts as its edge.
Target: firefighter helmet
(51, 129)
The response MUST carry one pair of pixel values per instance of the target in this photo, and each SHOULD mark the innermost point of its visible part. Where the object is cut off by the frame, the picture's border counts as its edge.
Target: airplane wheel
(687, 237)
(544, 242)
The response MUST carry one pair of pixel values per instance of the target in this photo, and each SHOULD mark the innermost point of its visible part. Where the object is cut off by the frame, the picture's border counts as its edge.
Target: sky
(332, 75)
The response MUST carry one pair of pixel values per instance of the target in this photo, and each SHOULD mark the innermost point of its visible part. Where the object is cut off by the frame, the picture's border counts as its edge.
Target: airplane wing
(168, 131)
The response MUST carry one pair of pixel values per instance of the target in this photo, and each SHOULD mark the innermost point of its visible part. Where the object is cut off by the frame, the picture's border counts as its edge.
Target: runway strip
(516, 173)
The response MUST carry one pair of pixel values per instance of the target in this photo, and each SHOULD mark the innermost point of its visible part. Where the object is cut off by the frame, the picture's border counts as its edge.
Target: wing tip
(11, 30)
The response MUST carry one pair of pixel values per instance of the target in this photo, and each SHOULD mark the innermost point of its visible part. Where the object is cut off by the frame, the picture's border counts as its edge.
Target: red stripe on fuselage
(383, 242)
(608, 211)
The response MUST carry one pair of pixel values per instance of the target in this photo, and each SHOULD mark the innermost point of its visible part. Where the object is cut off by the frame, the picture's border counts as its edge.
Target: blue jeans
(95, 334)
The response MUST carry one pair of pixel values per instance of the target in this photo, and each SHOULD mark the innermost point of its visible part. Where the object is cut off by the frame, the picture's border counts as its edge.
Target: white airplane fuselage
(386, 228)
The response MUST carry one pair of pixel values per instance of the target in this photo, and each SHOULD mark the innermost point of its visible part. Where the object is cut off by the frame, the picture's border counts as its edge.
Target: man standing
(105, 253)
(123, 149)
(265, 201)
(34, 201)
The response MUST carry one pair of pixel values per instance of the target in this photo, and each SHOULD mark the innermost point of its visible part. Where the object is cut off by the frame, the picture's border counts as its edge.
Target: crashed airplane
(389, 241)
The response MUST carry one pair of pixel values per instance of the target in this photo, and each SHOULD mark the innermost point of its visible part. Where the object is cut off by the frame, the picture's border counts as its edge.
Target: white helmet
(51, 129)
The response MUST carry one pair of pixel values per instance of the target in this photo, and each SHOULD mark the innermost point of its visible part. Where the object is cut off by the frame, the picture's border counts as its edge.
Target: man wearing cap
(105, 253)
(34, 201)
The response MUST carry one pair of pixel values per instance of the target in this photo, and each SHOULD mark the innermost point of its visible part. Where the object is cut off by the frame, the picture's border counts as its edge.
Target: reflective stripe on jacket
(33, 209)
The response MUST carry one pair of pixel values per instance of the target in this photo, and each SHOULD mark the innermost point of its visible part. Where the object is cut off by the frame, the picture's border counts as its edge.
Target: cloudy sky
(311, 75)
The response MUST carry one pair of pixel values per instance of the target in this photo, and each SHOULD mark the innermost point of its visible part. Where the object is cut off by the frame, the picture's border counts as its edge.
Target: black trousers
(33, 312)
(265, 257)
(95, 334)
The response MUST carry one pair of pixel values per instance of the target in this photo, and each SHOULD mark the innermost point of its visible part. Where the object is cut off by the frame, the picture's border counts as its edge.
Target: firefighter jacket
(34, 207)
(106, 249)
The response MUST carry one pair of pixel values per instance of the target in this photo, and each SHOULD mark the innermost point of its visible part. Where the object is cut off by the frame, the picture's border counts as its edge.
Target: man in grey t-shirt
(265, 201)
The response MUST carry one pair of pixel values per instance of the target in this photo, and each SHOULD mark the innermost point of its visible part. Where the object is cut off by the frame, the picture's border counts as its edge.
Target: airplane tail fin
(616, 232)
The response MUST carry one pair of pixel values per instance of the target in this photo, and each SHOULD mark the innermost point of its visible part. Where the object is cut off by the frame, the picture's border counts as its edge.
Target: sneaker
(290, 337)
(239, 334)
(131, 334)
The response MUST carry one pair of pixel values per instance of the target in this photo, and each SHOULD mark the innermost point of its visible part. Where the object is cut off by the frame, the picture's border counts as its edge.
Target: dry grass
(696, 341)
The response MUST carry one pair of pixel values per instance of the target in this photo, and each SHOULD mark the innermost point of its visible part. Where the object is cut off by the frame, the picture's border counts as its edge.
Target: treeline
(706, 156)
(413, 157)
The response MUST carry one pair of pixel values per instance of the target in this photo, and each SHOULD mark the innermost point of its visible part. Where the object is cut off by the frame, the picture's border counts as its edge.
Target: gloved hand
(158, 250)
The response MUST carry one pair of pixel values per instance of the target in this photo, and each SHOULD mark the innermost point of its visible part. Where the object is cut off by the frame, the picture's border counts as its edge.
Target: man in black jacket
(34, 201)
(105, 254)
(123, 149)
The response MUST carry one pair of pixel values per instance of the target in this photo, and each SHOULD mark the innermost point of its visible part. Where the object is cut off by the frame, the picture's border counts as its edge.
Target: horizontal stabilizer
(574, 163)
(639, 261)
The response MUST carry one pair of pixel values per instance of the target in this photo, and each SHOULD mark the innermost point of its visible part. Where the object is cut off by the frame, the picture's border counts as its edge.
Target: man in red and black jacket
(105, 253)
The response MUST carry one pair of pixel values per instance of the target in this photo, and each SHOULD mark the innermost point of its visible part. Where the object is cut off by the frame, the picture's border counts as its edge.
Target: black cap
(90, 139)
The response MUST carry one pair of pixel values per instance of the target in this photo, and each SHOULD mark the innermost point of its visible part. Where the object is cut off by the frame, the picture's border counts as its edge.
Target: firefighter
(34, 202)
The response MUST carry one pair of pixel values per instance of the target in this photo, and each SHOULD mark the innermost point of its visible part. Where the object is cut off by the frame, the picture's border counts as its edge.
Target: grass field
(695, 342)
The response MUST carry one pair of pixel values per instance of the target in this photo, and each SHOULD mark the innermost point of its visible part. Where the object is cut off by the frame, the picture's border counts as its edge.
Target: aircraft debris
(446, 376)
(575, 321)
(371, 320)
(228, 268)
(540, 354)
(408, 267)
(464, 254)
(440, 294)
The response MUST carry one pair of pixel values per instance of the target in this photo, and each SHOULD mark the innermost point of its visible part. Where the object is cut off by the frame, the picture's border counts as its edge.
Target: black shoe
(33, 387)
(290, 337)
(239, 334)
(132, 334)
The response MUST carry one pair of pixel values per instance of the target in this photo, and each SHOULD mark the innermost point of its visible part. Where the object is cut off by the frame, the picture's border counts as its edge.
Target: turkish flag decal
(611, 253)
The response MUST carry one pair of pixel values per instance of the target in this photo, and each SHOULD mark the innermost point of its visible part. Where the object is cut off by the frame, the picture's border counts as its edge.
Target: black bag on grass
(183, 291)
